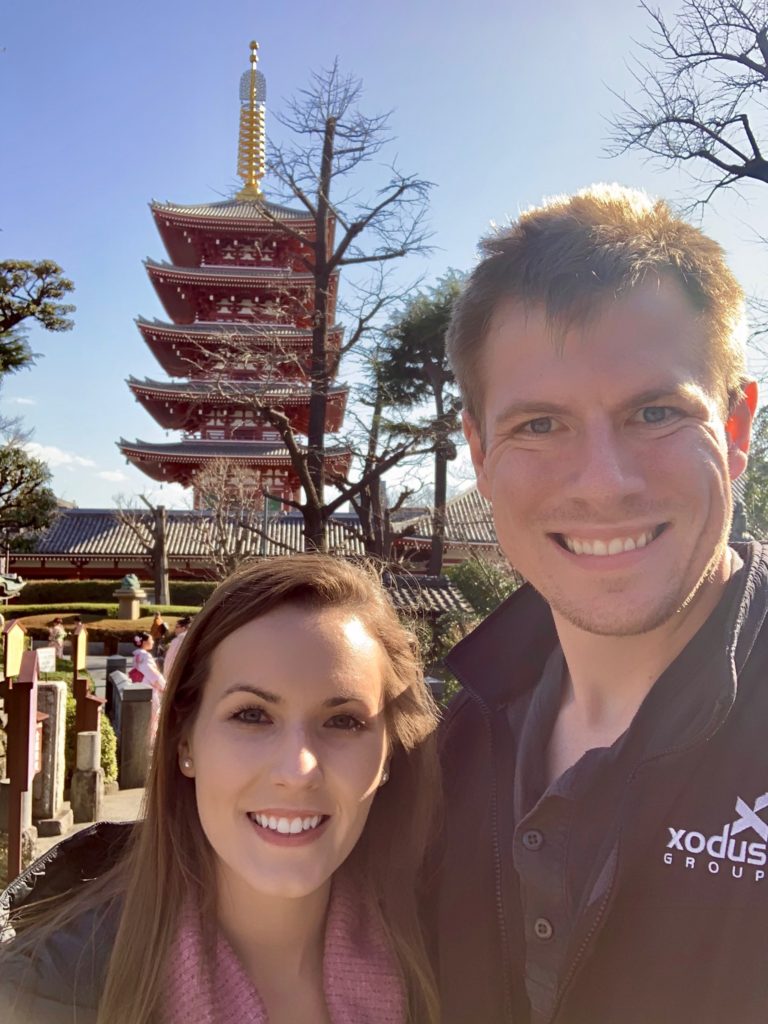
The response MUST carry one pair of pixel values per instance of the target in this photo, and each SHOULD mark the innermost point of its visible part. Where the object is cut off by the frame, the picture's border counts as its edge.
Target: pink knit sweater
(361, 979)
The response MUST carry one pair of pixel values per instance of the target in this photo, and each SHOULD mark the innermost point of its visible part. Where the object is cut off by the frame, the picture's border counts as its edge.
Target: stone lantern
(129, 596)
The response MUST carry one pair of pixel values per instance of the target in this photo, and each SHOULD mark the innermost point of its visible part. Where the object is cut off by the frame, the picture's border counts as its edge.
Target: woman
(144, 669)
(179, 632)
(57, 634)
(290, 802)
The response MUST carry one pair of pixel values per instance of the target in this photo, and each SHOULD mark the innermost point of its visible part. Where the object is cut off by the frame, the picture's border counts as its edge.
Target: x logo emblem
(749, 817)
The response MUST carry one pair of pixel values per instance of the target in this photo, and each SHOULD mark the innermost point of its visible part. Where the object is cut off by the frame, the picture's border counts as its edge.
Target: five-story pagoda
(239, 298)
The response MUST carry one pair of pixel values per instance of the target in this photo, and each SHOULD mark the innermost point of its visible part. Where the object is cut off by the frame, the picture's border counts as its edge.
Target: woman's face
(288, 748)
(149, 643)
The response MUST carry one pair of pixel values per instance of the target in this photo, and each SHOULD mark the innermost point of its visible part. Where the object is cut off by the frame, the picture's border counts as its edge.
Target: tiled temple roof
(98, 534)
(228, 392)
(468, 520)
(230, 209)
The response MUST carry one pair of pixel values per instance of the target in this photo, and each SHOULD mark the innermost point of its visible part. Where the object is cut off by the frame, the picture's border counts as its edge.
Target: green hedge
(97, 611)
(183, 592)
(92, 611)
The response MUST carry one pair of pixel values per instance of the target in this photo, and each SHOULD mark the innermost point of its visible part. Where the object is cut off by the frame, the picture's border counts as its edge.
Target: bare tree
(233, 525)
(332, 140)
(150, 529)
(702, 81)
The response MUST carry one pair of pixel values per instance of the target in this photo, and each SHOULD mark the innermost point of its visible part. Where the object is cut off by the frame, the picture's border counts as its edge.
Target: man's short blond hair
(575, 253)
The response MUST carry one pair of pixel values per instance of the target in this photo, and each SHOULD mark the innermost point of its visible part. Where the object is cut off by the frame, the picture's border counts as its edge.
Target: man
(606, 768)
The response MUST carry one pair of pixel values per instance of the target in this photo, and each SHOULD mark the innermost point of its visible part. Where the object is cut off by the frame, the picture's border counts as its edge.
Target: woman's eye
(345, 722)
(251, 716)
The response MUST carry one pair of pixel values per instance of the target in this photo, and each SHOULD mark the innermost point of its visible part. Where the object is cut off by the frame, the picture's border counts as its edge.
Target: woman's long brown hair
(169, 859)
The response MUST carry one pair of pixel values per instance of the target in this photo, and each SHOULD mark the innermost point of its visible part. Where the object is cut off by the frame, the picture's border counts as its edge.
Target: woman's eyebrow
(265, 695)
(344, 698)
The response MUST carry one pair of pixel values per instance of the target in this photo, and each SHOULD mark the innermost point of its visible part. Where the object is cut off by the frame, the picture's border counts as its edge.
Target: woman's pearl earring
(384, 777)
(187, 762)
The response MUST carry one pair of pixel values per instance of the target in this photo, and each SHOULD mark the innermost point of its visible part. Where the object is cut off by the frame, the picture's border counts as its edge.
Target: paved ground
(121, 806)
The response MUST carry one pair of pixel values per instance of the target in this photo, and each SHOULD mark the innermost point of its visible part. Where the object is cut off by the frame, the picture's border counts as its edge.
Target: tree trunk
(160, 556)
(437, 549)
(315, 533)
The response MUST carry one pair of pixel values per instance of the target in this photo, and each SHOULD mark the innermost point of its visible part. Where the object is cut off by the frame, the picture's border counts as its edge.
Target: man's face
(608, 463)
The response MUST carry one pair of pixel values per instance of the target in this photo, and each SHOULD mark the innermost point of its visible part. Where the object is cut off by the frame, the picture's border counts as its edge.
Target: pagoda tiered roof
(181, 226)
(181, 290)
(183, 349)
(177, 406)
(180, 461)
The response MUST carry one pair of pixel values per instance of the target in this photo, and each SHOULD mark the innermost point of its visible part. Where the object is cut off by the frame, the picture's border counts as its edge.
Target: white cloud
(115, 475)
(21, 401)
(56, 457)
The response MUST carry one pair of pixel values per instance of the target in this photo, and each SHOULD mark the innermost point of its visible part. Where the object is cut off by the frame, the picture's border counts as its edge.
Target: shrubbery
(56, 592)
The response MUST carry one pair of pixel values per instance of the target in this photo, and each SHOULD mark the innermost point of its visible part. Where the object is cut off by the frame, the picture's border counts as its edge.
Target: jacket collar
(504, 657)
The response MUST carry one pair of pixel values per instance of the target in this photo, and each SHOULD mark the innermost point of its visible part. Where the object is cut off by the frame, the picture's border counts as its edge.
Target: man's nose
(606, 464)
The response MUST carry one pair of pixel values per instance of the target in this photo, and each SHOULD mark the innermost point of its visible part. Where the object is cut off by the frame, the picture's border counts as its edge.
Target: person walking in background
(57, 634)
(156, 629)
(292, 795)
(179, 632)
(144, 669)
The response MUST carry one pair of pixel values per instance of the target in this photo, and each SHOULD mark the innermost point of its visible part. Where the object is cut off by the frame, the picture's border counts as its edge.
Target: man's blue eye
(655, 413)
(542, 425)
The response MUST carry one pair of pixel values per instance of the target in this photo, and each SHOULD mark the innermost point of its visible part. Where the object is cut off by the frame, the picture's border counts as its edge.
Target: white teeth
(615, 546)
(287, 826)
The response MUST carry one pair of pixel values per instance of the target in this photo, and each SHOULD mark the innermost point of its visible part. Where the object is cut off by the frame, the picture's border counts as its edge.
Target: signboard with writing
(46, 659)
(14, 636)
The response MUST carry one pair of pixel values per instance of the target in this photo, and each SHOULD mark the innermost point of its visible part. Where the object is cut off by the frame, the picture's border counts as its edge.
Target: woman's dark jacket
(62, 982)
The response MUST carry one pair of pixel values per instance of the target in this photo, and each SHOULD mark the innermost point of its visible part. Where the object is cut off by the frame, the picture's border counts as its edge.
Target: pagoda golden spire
(251, 151)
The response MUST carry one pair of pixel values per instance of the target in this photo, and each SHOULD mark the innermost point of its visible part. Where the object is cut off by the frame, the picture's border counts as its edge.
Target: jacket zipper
(703, 737)
(497, 870)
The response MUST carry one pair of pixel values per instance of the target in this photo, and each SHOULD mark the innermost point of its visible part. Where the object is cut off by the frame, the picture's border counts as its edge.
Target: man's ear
(739, 430)
(477, 451)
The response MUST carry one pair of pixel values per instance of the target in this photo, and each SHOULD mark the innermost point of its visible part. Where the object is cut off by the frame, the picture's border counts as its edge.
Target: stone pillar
(28, 834)
(115, 663)
(53, 817)
(133, 743)
(87, 788)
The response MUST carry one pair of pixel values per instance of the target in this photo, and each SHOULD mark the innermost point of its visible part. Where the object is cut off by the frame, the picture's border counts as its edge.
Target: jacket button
(543, 929)
(533, 839)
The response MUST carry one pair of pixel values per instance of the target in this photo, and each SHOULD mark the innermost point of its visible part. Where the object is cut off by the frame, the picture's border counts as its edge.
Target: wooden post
(22, 728)
(79, 643)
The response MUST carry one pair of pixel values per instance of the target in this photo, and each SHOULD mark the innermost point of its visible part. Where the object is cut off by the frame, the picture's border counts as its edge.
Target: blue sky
(109, 106)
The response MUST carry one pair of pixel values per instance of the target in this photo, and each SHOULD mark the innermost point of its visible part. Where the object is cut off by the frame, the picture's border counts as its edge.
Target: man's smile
(615, 544)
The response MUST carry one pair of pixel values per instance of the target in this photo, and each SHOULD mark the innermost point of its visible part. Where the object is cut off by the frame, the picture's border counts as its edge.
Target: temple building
(239, 298)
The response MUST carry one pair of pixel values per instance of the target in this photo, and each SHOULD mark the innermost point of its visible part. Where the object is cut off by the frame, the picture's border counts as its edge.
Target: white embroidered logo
(749, 817)
(691, 849)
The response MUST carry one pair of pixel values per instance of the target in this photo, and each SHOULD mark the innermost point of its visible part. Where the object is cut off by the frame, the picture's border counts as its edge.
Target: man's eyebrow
(265, 695)
(531, 408)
